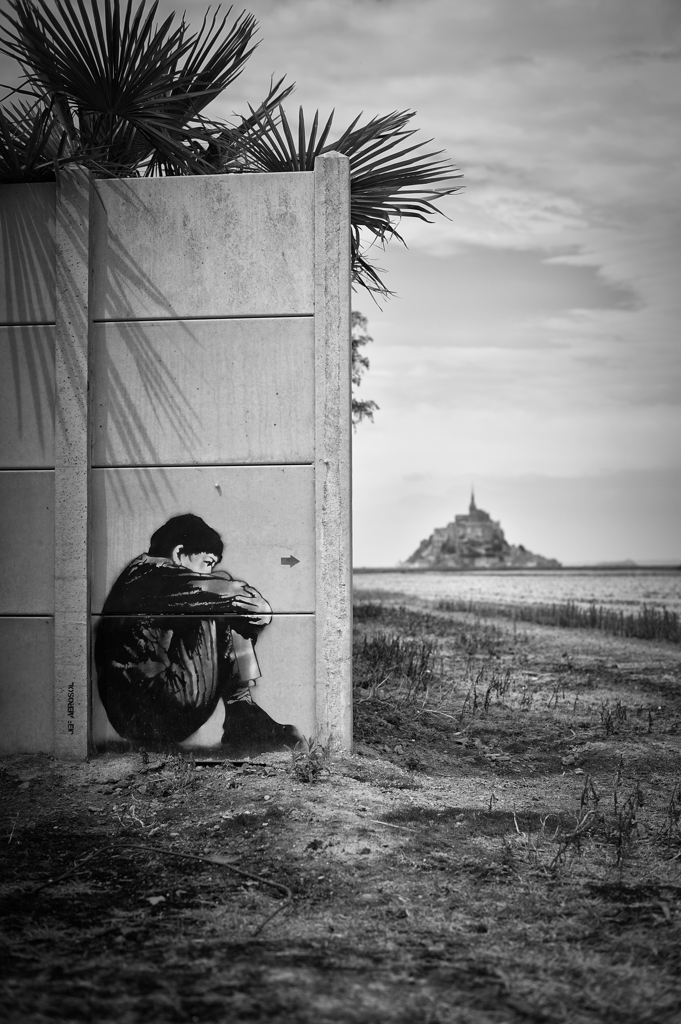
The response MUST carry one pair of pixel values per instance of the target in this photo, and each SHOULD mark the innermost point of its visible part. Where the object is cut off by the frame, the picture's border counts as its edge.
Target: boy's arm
(160, 588)
(145, 588)
(244, 600)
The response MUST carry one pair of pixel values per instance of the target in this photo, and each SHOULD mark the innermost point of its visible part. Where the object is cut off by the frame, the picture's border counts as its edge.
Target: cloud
(537, 329)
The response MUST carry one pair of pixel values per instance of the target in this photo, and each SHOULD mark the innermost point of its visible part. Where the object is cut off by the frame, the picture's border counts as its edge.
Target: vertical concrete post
(71, 446)
(333, 468)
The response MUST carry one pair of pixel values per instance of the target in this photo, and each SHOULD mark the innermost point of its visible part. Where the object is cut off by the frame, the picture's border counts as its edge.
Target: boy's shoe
(249, 730)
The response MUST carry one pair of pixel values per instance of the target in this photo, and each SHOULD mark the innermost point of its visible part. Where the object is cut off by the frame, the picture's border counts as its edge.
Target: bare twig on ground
(390, 824)
(164, 851)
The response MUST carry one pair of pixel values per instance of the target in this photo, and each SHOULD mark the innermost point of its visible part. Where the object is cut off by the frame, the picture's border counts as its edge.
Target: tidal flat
(503, 845)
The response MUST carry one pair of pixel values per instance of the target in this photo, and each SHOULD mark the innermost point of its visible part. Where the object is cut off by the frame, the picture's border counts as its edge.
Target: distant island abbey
(474, 541)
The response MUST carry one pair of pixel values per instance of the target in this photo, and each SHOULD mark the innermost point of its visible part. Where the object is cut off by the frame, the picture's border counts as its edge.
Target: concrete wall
(208, 319)
(27, 329)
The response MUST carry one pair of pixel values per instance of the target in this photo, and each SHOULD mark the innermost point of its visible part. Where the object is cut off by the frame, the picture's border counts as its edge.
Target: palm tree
(109, 88)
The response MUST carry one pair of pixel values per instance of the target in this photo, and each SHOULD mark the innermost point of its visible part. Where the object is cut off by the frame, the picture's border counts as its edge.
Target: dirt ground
(504, 845)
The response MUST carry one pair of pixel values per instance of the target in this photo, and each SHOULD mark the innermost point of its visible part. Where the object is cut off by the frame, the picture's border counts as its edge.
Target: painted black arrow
(290, 561)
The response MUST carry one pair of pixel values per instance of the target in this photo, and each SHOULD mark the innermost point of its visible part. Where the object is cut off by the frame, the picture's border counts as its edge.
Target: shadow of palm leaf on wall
(27, 311)
(131, 375)
(31, 361)
(27, 261)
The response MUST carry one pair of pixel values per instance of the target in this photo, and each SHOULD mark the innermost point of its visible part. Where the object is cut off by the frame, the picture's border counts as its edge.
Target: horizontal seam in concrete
(185, 319)
(26, 615)
(26, 469)
(178, 615)
(28, 323)
(204, 465)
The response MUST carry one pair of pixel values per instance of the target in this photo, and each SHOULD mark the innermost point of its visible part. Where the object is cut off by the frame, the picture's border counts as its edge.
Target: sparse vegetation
(505, 845)
(309, 760)
(407, 663)
(646, 624)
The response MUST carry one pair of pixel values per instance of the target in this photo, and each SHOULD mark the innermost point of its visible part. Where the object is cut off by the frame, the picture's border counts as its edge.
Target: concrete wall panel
(26, 685)
(285, 690)
(263, 514)
(204, 391)
(26, 397)
(218, 245)
(27, 253)
(27, 542)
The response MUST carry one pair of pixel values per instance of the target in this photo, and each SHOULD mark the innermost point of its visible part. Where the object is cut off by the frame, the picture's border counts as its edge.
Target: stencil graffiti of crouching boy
(176, 636)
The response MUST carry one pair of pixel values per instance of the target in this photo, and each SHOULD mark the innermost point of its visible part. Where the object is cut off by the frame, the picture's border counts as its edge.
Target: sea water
(620, 590)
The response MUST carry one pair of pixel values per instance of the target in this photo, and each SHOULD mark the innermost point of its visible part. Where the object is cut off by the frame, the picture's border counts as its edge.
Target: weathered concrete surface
(203, 391)
(72, 457)
(27, 290)
(27, 397)
(217, 245)
(263, 513)
(333, 470)
(26, 693)
(27, 253)
(26, 543)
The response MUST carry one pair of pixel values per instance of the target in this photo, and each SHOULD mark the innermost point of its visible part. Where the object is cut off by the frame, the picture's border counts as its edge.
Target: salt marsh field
(617, 590)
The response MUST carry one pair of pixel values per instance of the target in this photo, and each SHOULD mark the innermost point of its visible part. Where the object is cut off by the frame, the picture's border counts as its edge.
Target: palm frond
(30, 143)
(271, 145)
(390, 177)
(213, 63)
(125, 95)
(128, 90)
(227, 151)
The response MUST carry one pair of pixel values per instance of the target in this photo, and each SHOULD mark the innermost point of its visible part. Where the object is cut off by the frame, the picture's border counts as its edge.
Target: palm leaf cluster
(126, 93)
(107, 86)
(31, 142)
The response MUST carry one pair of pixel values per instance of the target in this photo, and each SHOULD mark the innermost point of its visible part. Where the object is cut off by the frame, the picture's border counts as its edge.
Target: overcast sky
(533, 349)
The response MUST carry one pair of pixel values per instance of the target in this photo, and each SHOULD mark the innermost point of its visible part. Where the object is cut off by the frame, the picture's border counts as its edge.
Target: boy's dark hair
(191, 532)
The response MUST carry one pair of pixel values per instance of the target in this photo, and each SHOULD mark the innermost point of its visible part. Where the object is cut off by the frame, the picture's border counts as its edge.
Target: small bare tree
(362, 409)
